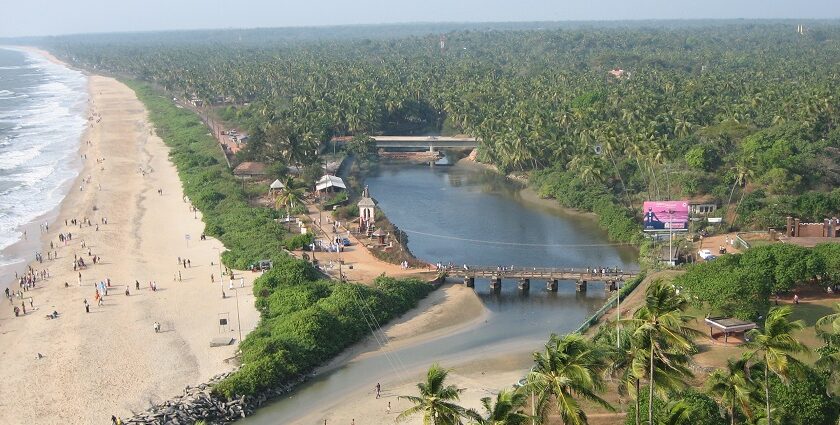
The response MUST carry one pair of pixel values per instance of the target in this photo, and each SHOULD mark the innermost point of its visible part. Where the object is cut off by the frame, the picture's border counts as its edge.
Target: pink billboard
(665, 215)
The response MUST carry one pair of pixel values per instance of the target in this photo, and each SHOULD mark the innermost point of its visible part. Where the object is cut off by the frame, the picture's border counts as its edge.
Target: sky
(55, 17)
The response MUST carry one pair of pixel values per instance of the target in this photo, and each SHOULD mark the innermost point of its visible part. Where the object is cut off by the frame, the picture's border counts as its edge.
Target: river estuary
(464, 214)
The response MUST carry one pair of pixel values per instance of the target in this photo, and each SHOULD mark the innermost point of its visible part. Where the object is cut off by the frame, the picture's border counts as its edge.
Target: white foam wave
(38, 153)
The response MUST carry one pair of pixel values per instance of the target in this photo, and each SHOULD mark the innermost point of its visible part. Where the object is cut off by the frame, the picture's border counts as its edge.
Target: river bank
(488, 351)
(84, 367)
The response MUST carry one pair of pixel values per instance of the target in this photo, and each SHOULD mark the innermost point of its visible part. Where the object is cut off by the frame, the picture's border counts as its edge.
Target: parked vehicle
(706, 254)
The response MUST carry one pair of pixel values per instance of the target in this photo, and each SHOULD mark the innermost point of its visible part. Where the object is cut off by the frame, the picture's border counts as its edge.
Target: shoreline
(84, 367)
(24, 248)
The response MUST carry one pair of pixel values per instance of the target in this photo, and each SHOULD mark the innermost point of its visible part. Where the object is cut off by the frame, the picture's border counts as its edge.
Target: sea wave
(39, 149)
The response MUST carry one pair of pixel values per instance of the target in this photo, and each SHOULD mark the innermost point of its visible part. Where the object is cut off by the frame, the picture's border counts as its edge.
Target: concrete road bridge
(612, 278)
(419, 142)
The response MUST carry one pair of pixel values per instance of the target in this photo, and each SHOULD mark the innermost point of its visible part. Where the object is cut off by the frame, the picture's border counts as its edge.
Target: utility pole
(618, 318)
(238, 321)
(670, 237)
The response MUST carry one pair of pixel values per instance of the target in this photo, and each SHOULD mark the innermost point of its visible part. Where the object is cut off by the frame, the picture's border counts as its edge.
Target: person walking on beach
(156, 326)
(378, 389)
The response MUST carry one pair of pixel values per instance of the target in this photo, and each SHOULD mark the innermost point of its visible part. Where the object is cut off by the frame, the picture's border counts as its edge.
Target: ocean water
(42, 118)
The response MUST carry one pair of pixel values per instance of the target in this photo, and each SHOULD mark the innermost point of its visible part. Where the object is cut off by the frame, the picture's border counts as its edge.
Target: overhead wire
(357, 299)
(484, 241)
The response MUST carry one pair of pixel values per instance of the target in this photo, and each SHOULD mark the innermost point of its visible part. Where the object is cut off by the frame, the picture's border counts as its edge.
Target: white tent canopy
(328, 181)
(277, 184)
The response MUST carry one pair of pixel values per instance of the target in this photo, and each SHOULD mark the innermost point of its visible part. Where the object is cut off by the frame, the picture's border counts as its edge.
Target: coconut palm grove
(599, 117)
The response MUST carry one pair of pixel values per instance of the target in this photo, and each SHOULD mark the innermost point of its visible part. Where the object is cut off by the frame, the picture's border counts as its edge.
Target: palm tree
(289, 197)
(435, 400)
(571, 366)
(830, 362)
(507, 410)
(629, 361)
(774, 345)
(660, 326)
(733, 387)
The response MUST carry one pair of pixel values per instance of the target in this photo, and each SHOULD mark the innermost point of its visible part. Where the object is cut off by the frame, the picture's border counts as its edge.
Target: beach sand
(110, 361)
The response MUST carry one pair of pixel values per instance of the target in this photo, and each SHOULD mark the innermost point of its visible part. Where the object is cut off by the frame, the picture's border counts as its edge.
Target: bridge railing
(538, 272)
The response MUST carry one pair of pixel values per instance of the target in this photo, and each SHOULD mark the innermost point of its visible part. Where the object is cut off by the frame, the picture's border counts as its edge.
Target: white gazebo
(328, 181)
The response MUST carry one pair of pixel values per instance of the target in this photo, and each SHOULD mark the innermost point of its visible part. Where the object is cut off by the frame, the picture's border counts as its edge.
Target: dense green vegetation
(651, 364)
(741, 285)
(712, 110)
(304, 321)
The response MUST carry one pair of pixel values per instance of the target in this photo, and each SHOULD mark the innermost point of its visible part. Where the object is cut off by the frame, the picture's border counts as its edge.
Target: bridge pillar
(609, 285)
(581, 286)
(469, 282)
(496, 284)
(551, 285)
(524, 284)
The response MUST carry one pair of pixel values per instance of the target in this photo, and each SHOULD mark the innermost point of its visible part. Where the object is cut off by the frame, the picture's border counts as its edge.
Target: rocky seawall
(199, 403)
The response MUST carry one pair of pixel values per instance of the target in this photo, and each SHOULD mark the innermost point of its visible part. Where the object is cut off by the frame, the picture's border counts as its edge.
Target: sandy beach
(110, 361)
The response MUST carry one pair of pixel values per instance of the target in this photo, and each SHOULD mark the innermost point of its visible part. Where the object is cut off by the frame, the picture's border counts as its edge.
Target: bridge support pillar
(581, 286)
(524, 284)
(496, 284)
(552, 285)
(469, 282)
(609, 285)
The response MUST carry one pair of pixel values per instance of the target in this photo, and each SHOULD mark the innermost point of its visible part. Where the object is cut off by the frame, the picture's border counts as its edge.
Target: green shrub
(803, 400)
(306, 322)
(298, 241)
(740, 285)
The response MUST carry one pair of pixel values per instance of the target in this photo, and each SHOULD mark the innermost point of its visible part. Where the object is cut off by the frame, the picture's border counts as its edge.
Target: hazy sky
(50, 17)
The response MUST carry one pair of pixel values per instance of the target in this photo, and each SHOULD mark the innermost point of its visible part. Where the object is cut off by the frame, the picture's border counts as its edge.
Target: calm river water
(469, 215)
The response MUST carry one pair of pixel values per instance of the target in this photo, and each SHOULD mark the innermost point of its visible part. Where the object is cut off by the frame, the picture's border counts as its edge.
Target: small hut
(331, 183)
(367, 211)
(380, 236)
(276, 186)
(250, 170)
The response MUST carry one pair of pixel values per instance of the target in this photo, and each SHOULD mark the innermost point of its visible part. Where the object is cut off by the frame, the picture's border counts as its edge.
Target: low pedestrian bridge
(419, 142)
(611, 278)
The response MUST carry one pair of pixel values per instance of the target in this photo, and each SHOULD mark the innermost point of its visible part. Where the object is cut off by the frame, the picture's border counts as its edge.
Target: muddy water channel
(464, 214)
